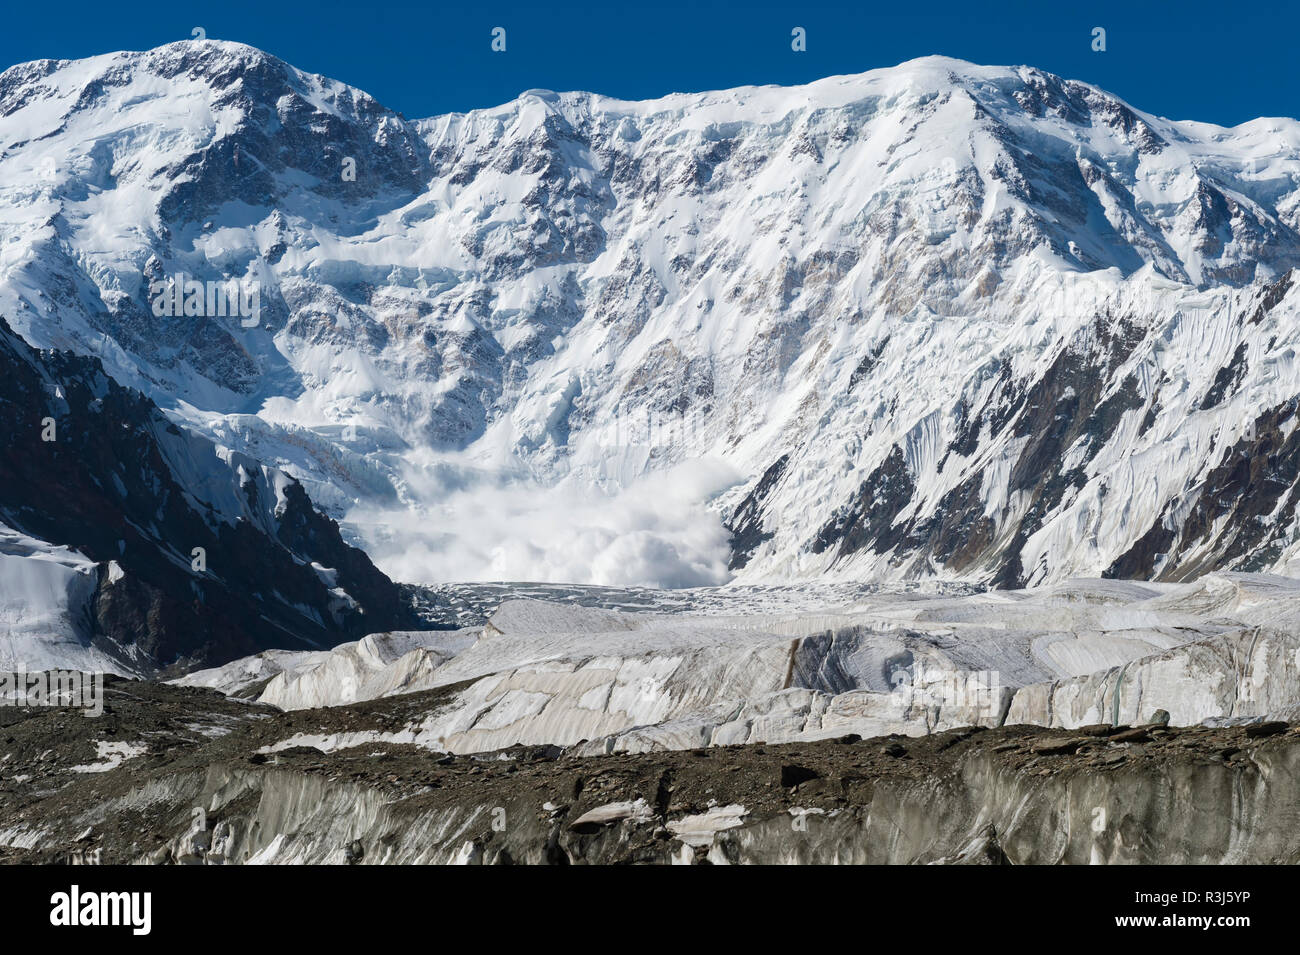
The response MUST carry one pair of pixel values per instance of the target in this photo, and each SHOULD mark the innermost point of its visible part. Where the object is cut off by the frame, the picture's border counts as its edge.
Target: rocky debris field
(184, 775)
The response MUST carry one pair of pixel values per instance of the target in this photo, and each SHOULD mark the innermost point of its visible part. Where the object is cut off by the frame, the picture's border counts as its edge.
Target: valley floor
(204, 790)
(1095, 721)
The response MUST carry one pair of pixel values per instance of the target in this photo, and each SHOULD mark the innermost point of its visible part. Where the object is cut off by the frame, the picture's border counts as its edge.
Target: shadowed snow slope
(1082, 652)
(130, 544)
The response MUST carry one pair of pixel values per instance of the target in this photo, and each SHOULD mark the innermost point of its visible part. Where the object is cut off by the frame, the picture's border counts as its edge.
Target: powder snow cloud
(657, 532)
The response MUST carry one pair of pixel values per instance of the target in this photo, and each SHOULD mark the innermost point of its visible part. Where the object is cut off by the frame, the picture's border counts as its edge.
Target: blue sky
(1216, 62)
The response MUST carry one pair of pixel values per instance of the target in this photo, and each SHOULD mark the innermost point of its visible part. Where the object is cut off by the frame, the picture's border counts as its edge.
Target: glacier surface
(1220, 651)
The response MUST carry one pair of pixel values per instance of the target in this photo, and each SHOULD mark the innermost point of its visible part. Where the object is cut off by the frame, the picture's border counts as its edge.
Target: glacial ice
(1223, 648)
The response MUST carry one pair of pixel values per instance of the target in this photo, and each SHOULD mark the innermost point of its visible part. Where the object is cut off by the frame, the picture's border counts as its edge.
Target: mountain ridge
(884, 280)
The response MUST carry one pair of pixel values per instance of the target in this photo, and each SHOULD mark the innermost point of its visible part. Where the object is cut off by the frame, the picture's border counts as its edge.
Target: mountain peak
(850, 290)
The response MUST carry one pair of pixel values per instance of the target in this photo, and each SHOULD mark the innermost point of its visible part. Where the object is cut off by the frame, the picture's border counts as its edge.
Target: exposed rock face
(941, 319)
(746, 524)
(192, 785)
(1239, 516)
(200, 556)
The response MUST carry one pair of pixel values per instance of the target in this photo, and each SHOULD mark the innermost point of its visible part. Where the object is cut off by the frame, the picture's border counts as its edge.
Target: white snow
(111, 755)
(699, 829)
(44, 591)
(598, 322)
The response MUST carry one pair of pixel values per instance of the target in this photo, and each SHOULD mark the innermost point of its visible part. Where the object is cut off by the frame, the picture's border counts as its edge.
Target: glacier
(205, 791)
(1223, 650)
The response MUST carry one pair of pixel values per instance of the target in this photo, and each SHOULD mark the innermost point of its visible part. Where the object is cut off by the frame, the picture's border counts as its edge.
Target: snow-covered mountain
(940, 319)
(131, 545)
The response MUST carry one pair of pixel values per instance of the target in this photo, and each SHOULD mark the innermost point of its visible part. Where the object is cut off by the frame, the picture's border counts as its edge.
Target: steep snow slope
(978, 322)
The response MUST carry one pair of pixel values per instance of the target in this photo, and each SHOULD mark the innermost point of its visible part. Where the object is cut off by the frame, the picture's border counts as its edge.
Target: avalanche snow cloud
(656, 532)
(939, 319)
